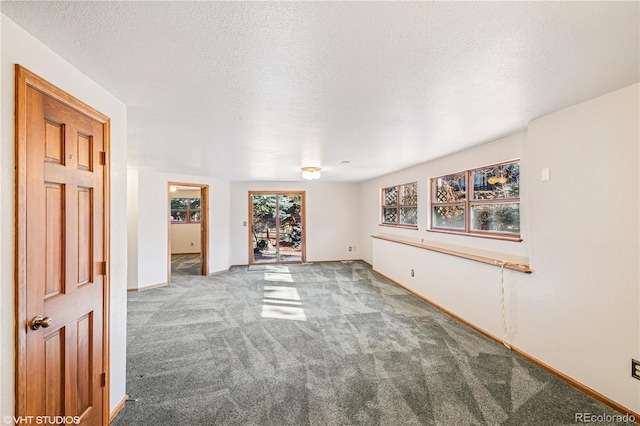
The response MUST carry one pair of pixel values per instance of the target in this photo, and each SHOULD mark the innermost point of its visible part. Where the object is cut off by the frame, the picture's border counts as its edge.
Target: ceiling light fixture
(311, 173)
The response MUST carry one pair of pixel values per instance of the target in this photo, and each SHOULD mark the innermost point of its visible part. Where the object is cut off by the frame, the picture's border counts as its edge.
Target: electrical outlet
(412, 273)
(350, 248)
(635, 369)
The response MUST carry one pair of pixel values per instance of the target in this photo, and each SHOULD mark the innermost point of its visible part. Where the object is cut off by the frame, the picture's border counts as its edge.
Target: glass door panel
(264, 228)
(290, 228)
(276, 227)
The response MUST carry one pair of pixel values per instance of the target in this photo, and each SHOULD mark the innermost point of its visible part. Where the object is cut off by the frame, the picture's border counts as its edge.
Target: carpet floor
(185, 264)
(323, 344)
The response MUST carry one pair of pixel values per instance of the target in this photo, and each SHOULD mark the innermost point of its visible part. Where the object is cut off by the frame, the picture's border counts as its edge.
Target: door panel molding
(26, 81)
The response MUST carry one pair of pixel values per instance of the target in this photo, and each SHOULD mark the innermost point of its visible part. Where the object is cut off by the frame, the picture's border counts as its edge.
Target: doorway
(276, 229)
(188, 229)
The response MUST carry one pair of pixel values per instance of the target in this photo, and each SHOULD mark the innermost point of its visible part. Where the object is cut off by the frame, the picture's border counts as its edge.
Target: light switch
(545, 175)
(244, 223)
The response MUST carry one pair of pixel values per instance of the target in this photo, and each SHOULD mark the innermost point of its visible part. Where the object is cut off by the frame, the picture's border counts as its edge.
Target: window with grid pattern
(185, 210)
(482, 202)
(400, 205)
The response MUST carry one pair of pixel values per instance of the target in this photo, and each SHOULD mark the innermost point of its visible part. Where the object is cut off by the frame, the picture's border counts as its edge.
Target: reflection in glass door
(277, 227)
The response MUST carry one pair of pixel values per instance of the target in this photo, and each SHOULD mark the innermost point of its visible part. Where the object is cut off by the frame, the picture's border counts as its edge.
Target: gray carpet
(185, 264)
(323, 344)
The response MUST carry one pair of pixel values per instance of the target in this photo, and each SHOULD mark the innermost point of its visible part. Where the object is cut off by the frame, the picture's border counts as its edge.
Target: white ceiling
(254, 91)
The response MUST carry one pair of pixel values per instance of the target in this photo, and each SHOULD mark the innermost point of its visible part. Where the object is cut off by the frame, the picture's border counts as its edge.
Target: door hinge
(103, 158)
(102, 268)
(103, 379)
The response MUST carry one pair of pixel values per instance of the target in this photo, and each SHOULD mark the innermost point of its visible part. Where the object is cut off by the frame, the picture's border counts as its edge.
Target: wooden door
(61, 255)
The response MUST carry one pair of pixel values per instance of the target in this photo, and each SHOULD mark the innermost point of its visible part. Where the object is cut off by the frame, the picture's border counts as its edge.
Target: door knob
(38, 322)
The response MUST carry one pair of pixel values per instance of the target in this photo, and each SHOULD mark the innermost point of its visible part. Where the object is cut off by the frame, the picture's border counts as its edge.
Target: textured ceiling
(254, 91)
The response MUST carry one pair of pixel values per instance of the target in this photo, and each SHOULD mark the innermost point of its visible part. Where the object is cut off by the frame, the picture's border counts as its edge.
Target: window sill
(414, 227)
(491, 236)
(490, 258)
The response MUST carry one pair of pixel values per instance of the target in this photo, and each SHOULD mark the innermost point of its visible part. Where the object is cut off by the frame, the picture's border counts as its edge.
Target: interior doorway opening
(276, 231)
(188, 229)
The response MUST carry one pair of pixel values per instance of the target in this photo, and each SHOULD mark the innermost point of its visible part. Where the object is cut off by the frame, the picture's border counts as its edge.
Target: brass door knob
(38, 322)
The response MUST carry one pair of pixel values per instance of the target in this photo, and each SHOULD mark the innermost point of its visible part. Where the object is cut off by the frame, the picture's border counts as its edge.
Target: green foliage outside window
(490, 206)
(185, 210)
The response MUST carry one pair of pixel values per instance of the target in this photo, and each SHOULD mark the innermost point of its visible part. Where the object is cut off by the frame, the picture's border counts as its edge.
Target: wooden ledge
(495, 259)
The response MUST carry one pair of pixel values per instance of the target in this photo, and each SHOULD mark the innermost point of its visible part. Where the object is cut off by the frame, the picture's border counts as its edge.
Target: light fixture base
(310, 173)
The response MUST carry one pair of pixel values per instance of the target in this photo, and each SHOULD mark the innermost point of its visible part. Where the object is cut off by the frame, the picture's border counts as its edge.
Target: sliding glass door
(277, 227)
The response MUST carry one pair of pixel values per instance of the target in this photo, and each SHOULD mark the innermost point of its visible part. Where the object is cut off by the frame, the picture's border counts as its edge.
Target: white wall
(507, 148)
(579, 310)
(152, 225)
(585, 291)
(20, 47)
(332, 218)
(132, 228)
(185, 238)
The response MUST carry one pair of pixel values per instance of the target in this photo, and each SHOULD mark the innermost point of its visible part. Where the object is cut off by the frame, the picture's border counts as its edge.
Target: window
(489, 207)
(400, 205)
(185, 210)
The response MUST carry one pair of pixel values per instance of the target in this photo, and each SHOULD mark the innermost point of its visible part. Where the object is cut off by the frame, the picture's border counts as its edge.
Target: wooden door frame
(303, 195)
(204, 226)
(23, 80)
